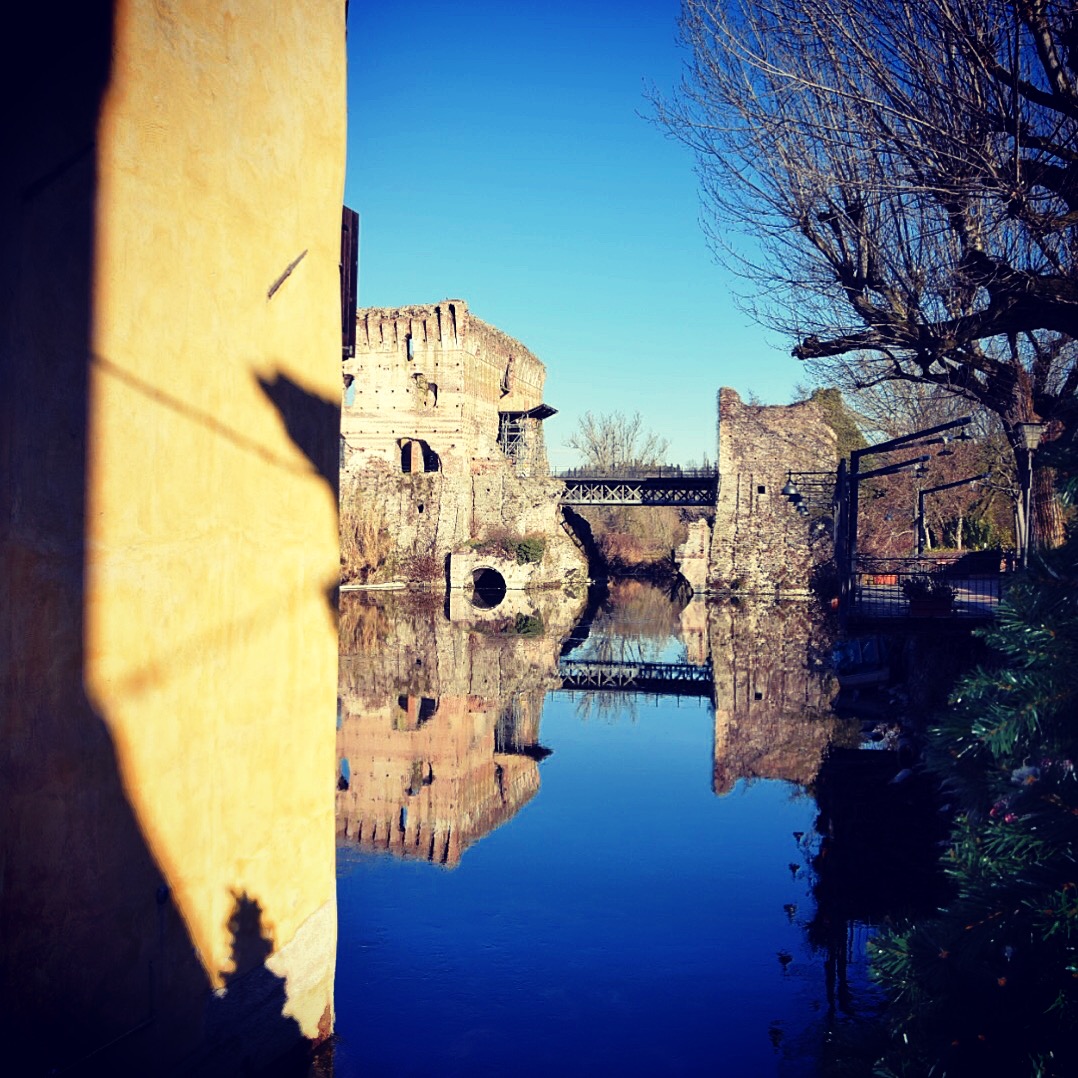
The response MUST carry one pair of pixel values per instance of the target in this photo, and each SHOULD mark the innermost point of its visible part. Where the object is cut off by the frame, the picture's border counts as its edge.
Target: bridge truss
(674, 679)
(685, 489)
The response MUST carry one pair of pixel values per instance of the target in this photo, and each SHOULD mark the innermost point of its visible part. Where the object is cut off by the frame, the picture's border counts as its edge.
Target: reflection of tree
(606, 706)
(635, 622)
(875, 864)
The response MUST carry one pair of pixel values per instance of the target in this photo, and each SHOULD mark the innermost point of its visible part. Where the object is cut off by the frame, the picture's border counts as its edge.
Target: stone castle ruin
(442, 437)
(760, 542)
(442, 450)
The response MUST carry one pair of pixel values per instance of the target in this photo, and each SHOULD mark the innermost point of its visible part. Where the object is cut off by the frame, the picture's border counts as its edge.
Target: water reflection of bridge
(653, 678)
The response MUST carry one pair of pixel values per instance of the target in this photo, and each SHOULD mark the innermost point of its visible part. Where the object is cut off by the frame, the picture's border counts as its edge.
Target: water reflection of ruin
(773, 692)
(438, 735)
(425, 777)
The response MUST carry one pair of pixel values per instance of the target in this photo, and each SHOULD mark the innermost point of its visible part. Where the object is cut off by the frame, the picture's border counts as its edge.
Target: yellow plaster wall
(212, 535)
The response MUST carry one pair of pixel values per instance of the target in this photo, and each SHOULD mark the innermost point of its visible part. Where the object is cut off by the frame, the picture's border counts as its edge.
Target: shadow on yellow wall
(108, 963)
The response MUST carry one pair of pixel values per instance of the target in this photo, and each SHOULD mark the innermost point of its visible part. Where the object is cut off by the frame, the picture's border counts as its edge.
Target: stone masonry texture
(759, 542)
(425, 398)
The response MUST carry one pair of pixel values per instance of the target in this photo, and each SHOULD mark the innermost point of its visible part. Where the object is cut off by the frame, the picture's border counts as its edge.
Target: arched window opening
(431, 461)
(417, 456)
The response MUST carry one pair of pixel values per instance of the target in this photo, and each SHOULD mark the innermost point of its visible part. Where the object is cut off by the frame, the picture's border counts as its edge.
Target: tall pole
(1030, 433)
(920, 522)
(1027, 508)
(855, 478)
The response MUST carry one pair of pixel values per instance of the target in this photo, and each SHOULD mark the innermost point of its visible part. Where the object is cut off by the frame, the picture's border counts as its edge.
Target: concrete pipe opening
(488, 588)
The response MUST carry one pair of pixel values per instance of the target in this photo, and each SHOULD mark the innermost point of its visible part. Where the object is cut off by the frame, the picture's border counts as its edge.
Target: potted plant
(929, 594)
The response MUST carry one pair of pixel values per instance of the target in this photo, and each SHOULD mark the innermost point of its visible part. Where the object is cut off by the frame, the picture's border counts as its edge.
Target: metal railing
(637, 471)
(649, 678)
(969, 586)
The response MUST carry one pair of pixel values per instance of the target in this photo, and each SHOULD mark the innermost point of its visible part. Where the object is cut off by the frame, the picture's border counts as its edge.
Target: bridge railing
(648, 678)
(637, 471)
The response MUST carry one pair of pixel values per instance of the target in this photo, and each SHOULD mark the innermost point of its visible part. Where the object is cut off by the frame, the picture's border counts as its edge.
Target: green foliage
(990, 986)
(528, 625)
(530, 550)
(927, 586)
(978, 533)
(840, 419)
(524, 550)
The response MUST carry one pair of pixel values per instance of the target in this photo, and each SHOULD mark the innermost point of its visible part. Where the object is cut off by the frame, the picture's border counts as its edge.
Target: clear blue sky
(498, 153)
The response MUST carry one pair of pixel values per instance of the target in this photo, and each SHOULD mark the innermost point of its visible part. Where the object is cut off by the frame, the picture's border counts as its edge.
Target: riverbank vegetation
(366, 544)
(990, 985)
(523, 549)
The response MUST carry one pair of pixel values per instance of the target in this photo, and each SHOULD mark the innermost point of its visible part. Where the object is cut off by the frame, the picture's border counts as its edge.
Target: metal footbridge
(640, 486)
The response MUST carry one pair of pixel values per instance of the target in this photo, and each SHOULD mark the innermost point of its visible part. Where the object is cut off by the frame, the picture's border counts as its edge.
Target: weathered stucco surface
(759, 542)
(170, 547)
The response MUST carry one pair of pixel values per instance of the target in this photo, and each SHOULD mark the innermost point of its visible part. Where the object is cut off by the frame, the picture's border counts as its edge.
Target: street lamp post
(1030, 433)
(932, 490)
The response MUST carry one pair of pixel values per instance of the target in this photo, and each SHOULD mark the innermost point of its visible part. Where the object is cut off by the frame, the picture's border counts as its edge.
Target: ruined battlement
(496, 366)
(442, 429)
(428, 324)
(434, 374)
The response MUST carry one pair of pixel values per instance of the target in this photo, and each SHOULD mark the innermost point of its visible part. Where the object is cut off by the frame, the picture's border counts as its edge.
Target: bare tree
(616, 440)
(908, 176)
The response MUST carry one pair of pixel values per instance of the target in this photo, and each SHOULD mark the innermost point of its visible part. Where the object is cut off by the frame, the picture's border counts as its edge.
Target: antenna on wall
(349, 268)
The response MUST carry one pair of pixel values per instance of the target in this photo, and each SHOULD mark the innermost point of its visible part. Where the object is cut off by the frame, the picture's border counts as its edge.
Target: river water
(582, 835)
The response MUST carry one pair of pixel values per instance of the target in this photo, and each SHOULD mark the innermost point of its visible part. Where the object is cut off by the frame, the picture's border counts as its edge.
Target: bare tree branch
(904, 181)
(615, 440)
